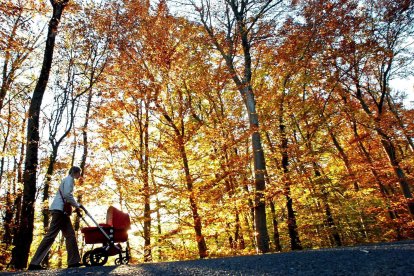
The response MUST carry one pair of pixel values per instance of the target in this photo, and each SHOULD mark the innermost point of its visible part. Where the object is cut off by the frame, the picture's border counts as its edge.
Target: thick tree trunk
(259, 174)
(24, 237)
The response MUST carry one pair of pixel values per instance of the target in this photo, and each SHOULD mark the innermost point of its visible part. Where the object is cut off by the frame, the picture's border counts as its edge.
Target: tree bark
(24, 237)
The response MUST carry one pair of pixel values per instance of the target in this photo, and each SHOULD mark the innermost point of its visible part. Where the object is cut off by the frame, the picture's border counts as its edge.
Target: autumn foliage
(223, 128)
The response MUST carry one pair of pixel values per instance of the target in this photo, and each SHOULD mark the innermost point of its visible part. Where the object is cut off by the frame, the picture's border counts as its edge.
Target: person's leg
(71, 243)
(44, 246)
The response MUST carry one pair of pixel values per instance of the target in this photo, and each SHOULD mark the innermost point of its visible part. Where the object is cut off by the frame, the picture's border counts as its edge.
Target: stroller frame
(99, 256)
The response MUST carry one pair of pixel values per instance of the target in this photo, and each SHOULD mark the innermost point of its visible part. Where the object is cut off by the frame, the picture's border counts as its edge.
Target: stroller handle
(97, 224)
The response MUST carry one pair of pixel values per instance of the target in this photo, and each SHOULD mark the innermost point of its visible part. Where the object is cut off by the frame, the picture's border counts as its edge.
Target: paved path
(377, 259)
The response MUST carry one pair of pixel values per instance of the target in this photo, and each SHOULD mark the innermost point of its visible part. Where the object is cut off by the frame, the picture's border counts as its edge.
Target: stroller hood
(117, 218)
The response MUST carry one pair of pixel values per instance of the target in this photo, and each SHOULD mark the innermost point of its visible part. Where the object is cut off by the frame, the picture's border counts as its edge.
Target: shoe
(35, 267)
(75, 265)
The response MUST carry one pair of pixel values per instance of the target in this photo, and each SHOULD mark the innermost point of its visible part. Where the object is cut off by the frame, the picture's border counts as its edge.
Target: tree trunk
(330, 221)
(402, 179)
(388, 145)
(48, 179)
(345, 159)
(24, 237)
(259, 174)
(8, 218)
(201, 243)
(383, 189)
(7, 76)
(276, 236)
(85, 146)
(45, 211)
(147, 193)
(157, 210)
(292, 225)
(17, 205)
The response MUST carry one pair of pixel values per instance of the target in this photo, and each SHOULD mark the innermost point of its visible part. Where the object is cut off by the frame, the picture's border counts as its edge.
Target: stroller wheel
(87, 258)
(125, 260)
(99, 256)
(119, 261)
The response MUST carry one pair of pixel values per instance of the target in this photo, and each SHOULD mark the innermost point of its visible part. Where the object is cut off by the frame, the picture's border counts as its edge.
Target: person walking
(61, 222)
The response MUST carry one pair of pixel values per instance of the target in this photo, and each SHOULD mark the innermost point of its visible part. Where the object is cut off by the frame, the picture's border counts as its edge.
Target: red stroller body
(115, 230)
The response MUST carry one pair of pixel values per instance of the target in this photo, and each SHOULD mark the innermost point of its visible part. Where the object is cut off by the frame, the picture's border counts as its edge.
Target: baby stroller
(110, 235)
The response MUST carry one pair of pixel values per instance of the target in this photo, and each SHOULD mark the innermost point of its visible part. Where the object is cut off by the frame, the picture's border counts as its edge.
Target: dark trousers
(60, 222)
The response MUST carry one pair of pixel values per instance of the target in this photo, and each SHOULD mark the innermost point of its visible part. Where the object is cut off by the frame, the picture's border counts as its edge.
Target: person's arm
(68, 184)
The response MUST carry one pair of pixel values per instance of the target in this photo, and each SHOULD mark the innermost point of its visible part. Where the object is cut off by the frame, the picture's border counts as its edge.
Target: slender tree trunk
(345, 159)
(4, 146)
(45, 211)
(295, 243)
(147, 193)
(157, 211)
(8, 75)
(383, 189)
(292, 225)
(351, 173)
(330, 220)
(250, 216)
(276, 236)
(388, 146)
(401, 124)
(22, 154)
(402, 179)
(8, 218)
(48, 179)
(201, 243)
(85, 146)
(24, 237)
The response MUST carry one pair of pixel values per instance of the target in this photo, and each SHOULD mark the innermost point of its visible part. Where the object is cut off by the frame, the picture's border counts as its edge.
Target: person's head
(75, 172)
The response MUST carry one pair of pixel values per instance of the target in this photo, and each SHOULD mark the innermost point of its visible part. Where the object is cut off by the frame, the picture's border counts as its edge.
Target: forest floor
(373, 259)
